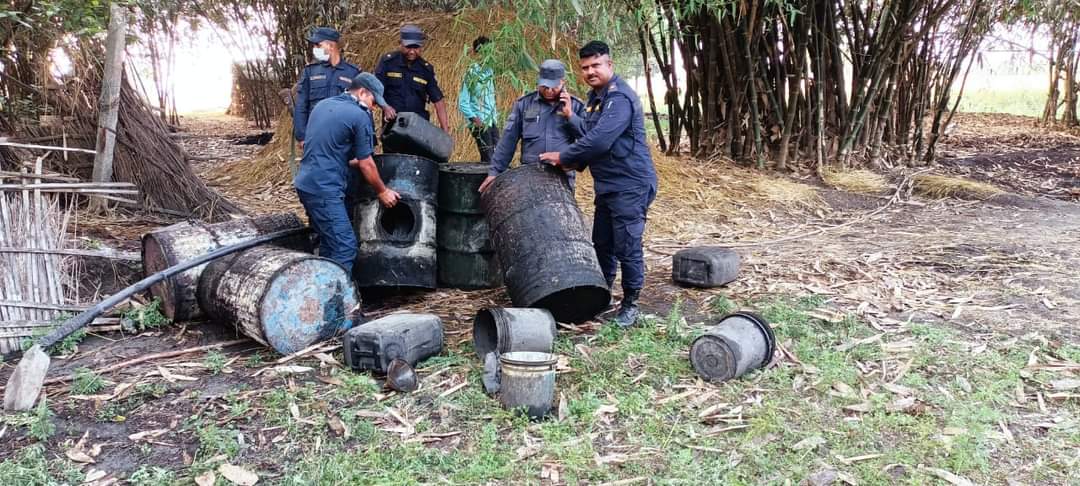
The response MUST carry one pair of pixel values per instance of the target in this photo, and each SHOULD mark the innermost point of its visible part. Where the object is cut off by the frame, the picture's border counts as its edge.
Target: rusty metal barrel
(165, 247)
(397, 245)
(281, 298)
(466, 258)
(543, 245)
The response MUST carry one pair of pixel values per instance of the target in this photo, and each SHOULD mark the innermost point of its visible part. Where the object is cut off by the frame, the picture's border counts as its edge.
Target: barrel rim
(763, 326)
(170, 291)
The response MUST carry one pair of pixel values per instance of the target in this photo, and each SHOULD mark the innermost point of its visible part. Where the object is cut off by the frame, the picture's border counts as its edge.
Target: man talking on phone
(545, 120)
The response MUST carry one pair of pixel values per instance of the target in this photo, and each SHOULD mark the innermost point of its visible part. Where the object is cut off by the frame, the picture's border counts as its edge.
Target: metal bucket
(397, 245)
(283, 299)
(543, 244)
(467, 259)
(739, 343)
(527, 380)
(165, 247)
(501, 331)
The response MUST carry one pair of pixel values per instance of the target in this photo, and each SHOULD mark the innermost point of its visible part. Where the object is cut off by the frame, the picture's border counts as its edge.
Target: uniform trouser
(618, 227)
(486, 139)
(329, 217)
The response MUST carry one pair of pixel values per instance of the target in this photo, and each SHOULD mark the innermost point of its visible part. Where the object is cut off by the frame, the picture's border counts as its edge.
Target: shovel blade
(24, 385)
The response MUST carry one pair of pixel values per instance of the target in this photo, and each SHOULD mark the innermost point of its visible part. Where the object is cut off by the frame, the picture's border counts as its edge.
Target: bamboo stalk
(52, 177)
(46, 147)
(42, 305)
(132, 256)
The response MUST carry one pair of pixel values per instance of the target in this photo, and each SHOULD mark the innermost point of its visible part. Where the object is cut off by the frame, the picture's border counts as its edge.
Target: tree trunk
(109, 104)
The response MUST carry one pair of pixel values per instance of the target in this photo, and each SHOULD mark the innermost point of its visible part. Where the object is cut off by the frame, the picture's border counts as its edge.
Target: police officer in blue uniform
(546, 120)
(337, 153)
(616, 152)
(410, 80)
(328, 76)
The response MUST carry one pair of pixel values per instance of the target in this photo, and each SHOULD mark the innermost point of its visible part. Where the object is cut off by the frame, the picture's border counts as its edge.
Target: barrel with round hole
(165, 247)
(281, 298)
(505, 330)
(466, 258)
(397, 245)
(740, 342)
(543, 244)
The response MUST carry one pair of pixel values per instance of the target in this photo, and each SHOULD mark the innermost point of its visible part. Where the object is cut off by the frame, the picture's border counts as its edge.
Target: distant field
(1026, 101)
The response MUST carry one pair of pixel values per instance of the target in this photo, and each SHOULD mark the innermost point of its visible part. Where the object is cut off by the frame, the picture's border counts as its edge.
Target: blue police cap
(411, 35)
(369, 82)
(552, 72)
(323, 33)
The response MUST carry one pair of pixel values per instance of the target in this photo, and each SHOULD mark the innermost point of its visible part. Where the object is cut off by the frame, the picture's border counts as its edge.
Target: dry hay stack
(856, 180)
(450, 37)
(939, 187)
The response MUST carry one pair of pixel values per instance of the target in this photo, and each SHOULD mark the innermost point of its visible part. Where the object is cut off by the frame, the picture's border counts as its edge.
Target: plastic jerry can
(705, 266)
(412, 134)
(409, 337)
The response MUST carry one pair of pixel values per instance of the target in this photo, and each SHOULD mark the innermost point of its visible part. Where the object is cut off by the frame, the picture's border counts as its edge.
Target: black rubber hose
(87, 316)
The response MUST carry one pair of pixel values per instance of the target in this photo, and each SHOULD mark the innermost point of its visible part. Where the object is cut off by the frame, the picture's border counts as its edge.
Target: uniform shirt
(339, 130)
(477, 98)
(408, 86)
(319, 81)
(614, 147)
(540, 128)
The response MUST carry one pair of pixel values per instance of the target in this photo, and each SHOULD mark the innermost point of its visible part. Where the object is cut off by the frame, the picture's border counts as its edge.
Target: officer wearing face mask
(328, 76)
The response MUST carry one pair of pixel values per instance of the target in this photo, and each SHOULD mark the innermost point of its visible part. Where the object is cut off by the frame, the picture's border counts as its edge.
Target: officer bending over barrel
(329, 75)
(546, 120)
(339, 144)
(410, 80)
(616, 152)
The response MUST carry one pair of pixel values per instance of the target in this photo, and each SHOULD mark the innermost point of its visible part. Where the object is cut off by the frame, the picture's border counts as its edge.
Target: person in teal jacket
(477, 104)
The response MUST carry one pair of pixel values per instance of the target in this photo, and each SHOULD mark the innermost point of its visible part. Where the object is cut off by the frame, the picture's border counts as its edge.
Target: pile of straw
(859, 181)
(940, 187)
(448, 49)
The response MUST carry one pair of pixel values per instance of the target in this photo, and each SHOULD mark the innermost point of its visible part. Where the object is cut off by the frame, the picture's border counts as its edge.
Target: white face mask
(320, 54)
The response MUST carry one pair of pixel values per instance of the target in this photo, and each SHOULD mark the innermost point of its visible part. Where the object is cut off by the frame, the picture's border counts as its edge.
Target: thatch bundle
(450, 37)
(940, 187)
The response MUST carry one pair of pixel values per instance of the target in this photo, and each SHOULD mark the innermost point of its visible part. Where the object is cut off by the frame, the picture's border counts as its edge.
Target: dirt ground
(989, 273)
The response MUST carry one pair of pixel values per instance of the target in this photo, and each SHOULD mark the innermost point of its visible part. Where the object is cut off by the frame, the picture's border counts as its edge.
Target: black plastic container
(705, 266)
(412, 134)
(409, 337)
(739, 343)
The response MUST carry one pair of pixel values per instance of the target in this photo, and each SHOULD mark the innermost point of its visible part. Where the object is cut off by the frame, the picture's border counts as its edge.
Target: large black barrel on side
(466, 258)
(284, 299)
(543, 245)
(410, 133)
(165, 247)
(397, 245)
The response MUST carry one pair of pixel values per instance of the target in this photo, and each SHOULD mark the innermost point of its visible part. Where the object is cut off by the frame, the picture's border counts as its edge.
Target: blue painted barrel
(281, 298)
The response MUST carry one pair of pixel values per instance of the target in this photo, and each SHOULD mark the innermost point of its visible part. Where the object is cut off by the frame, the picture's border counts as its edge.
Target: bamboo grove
(850, 82)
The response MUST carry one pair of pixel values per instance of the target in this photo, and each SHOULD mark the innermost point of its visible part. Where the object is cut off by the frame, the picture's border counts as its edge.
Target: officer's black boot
(628, 311)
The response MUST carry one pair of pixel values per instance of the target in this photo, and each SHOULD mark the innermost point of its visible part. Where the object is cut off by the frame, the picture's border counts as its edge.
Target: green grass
(151, 476)
(634, 408)
(145, 317)
(1022, 101)
(215, 361)
(778, 408)
(86, 382)
(32, 466)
